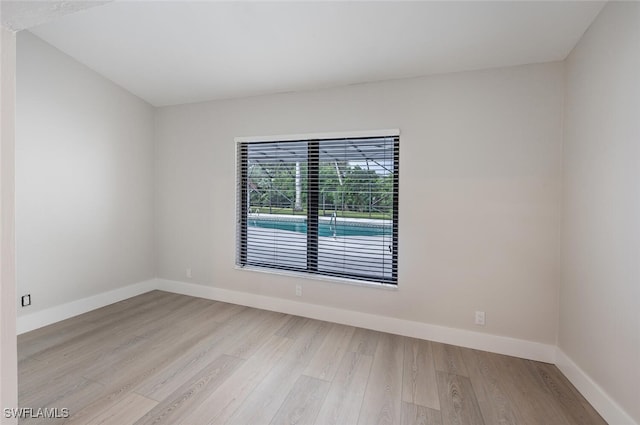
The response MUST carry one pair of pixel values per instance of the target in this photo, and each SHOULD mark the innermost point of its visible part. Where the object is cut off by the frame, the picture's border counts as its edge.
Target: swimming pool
(343, 227)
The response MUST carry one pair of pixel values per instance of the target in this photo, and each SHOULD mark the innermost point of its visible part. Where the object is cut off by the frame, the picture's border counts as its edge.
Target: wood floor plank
(458, 401)
(419, 374)
(180, 317)
(254, 336)
(73, 396)
(218, 341)
(344, 399)
(564, 393)
(326, 361)
(364, 341)
(190, 395)
(495, 403)
(448, 358)
(264, 401)
(412, 414)
(311, 338)
(60, 389)
(155, 340)
(302, 403)
(33, 342)
(551, 378)
(534, 403)
(136, 367)
(230, 395)
(226, 311)
(87, 341)
(144, 302)
(128, 410)
(85, 349)
(90, 343)
(592, 416)
(292, 327)
(576, 413)
(382, 403)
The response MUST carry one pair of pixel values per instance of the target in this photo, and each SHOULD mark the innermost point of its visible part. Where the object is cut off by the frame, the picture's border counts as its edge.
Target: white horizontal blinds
(276, 206)
(321, 206)
(356, 184)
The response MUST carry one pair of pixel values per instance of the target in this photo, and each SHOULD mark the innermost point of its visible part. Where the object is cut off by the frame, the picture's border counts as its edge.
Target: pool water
(325, 229)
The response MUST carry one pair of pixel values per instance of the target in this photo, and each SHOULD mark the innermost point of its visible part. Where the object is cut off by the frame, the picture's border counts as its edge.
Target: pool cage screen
(325, 206)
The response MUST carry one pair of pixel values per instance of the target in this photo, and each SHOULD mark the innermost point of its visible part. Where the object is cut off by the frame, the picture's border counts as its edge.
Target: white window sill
(332, 279)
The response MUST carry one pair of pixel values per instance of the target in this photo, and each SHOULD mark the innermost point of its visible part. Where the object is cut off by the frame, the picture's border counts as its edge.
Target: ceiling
(18, 15)
(173, 52)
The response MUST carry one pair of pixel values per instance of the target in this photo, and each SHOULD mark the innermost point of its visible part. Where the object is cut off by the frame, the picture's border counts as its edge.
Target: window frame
(312, 140)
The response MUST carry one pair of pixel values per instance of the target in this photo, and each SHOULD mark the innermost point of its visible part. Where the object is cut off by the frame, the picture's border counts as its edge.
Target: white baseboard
(480, 341)
(38, 319)
(595, 395)
(464, 338)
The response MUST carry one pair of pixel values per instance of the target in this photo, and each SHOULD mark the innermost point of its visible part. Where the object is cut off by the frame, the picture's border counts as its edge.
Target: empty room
(309, 212)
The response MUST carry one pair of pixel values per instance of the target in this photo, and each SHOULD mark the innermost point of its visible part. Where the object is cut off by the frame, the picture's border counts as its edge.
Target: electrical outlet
(188, 272)
(26, 300)
(298, 290)
(480, 318)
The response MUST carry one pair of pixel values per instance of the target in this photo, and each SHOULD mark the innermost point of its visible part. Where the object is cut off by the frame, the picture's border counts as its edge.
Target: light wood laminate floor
(162, 358)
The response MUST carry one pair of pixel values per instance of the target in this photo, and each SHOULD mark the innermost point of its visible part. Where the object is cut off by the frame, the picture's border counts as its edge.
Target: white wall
(8, 353)
(600, 291)
(479, 194)
(84, 180)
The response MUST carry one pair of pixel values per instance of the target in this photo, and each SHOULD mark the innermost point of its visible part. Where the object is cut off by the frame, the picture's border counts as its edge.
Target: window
(327, 206)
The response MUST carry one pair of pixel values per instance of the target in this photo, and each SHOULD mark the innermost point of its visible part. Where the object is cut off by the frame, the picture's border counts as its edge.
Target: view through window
(326, 207)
